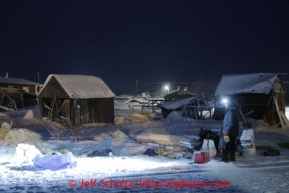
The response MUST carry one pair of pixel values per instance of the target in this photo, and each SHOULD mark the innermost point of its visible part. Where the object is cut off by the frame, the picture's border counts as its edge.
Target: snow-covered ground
(128, 170)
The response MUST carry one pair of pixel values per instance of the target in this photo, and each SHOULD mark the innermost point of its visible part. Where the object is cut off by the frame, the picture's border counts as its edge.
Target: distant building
(19, 83)
(22, 91)
(179, 94)
(79, 99)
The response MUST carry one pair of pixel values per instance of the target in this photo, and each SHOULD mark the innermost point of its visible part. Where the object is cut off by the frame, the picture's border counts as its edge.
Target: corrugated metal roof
(17, 81)
(261, 83)
(82, 86)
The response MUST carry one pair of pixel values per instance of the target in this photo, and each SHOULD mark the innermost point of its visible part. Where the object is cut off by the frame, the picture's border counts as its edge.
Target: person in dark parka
(230, 132)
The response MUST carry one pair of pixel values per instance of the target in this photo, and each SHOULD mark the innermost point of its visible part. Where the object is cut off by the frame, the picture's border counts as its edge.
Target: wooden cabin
(259, 96)
(80, 99)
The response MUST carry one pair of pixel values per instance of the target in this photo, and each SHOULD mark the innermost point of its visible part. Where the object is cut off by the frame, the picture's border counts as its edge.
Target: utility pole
(162, 92)
(38, 77)
(168, 88)
(136, 87)
(38, 88)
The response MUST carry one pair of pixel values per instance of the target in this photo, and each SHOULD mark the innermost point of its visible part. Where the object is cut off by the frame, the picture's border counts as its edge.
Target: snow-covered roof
(174, 104)
(17, 81)
(261, 83)
(82, 86)
(183, 91)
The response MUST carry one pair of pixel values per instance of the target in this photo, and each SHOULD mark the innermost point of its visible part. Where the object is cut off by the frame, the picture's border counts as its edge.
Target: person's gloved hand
(226, 138)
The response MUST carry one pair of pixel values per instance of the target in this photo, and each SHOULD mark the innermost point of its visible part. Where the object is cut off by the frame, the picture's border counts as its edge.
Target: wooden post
(56, 108)
(92, 112)
(279, 114)
(286, 121)
(50, 113)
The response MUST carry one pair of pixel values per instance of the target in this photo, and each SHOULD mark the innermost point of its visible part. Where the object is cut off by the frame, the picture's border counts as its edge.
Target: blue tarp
(55, 162)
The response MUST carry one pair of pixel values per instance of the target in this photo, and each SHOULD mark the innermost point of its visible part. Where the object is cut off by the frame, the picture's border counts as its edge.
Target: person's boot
(232, 155)
(225, 156)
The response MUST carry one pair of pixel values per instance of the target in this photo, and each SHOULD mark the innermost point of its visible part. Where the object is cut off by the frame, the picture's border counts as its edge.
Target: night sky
(154, 41)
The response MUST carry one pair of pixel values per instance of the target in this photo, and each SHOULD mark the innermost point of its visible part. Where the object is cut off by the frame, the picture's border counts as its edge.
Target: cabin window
(26, 88)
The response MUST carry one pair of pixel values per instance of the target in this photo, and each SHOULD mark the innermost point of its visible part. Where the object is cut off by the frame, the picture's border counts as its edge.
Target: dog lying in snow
(25, 153)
